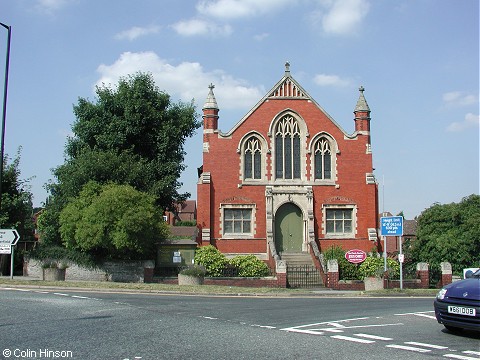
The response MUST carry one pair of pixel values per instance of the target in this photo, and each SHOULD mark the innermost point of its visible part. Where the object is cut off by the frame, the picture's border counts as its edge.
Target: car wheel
(452, 329)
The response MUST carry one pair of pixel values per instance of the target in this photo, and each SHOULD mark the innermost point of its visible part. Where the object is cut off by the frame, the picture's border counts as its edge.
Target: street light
(4, 114)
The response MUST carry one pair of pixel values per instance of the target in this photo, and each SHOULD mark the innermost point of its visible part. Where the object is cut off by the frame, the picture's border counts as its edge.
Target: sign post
(393, 226)
(8, 239)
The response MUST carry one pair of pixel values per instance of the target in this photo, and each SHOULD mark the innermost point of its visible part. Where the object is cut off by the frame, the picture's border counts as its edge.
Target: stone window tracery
(323, 159)
(253, 159)
(287, 149)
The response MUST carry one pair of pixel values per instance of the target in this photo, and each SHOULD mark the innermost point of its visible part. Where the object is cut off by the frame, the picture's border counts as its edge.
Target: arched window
(287, 149)
(323, 159)
(253, 159)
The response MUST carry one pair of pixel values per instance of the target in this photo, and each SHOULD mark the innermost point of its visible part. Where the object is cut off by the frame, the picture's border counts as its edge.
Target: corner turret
(362, 114)
(210, 111)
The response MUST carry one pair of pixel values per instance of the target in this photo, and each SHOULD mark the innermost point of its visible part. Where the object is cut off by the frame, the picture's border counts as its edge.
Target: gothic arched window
(253, 159)
(323, 159)
(287, 149)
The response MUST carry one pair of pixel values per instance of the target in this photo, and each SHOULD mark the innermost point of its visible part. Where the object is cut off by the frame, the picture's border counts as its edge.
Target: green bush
(249, 266)
(212, 259)
(372, 266)
(393, 268)
(346, 270)
(193, 270)
(46, 253)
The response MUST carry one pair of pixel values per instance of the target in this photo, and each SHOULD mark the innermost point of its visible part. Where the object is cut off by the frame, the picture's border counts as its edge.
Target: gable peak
(288, 87)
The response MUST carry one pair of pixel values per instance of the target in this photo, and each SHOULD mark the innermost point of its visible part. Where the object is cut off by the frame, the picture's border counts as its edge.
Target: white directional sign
(8, 237)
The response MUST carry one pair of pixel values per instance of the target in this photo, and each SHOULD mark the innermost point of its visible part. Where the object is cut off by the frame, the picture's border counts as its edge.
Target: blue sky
(417, 59)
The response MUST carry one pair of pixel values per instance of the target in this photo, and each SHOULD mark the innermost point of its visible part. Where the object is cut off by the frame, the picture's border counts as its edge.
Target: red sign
(355, 256)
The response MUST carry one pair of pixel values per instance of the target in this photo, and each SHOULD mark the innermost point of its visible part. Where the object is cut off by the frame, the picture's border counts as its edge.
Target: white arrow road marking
(421, 314)
(348, 338)
(409, 348)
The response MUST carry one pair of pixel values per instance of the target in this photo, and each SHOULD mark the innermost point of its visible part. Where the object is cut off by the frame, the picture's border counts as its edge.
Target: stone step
(296, 259)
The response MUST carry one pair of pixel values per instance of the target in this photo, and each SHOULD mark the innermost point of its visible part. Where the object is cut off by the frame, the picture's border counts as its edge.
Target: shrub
(46, 253)
(346, 270)
(212, 259)
(249, 266)
(372, 266)
(193, 270)
(393, 269)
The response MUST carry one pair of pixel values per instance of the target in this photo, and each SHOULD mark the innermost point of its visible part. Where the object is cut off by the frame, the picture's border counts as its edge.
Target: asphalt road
(39, 324)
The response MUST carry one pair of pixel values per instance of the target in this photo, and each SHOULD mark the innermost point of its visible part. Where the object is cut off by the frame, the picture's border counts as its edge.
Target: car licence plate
(461, 310)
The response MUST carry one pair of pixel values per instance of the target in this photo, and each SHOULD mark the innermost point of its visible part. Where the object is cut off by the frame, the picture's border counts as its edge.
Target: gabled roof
(286, 88)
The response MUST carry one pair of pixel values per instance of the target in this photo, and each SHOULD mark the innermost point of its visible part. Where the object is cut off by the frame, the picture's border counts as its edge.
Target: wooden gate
(303, 276)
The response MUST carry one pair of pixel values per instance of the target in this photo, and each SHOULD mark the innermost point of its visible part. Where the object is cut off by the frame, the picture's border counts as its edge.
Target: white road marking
(472, 352)
(327, 323)
(61, 294)
(409, 348)
(460, 357)
(348, 338)
(264, 326)
(311, 332)
(209, 318)
(427, 316)
(374, 337)
(426, 345)
(80, 297)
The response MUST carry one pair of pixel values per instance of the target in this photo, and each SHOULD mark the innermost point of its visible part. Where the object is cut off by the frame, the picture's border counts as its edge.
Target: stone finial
(362, 103)
(211, 102)
(287, 67)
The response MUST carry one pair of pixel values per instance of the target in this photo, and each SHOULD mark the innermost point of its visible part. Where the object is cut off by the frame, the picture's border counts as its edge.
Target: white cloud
(261, 37)
(471, 120)
(458, 98)
(235, 9)
(185, 81)
(195, 27)
(49, 6)
(135, 32)
(330, 80)
(341, 17)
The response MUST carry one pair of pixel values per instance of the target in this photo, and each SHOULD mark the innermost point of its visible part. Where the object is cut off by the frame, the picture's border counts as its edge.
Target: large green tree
(449, 232)
(112, 221)
(16, 210)
(132, 134)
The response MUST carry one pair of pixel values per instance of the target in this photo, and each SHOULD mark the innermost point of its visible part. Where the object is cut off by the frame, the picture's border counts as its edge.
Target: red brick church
(287, 178)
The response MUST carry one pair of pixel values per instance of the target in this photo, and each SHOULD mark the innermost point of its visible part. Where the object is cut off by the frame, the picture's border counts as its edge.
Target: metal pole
(11, 261)
(401, 263)
(4, 114)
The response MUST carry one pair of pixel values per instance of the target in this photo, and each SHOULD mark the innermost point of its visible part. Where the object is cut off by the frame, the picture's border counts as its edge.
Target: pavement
(88, 286)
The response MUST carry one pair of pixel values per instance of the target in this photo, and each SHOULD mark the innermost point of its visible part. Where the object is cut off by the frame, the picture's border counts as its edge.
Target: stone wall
(121, 271)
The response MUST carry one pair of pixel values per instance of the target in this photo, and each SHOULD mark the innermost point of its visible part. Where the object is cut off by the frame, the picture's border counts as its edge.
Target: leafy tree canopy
(16, 210)
(16, 203)
(114, 220)
(449, 232)
(132, 134)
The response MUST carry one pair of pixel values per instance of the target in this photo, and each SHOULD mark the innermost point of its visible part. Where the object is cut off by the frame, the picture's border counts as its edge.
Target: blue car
(457, 305)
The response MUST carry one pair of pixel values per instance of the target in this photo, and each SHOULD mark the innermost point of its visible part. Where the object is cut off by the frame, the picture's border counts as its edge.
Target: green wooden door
(288, 228)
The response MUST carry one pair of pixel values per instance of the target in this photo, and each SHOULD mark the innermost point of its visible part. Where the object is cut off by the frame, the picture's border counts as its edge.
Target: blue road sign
(391, 226)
